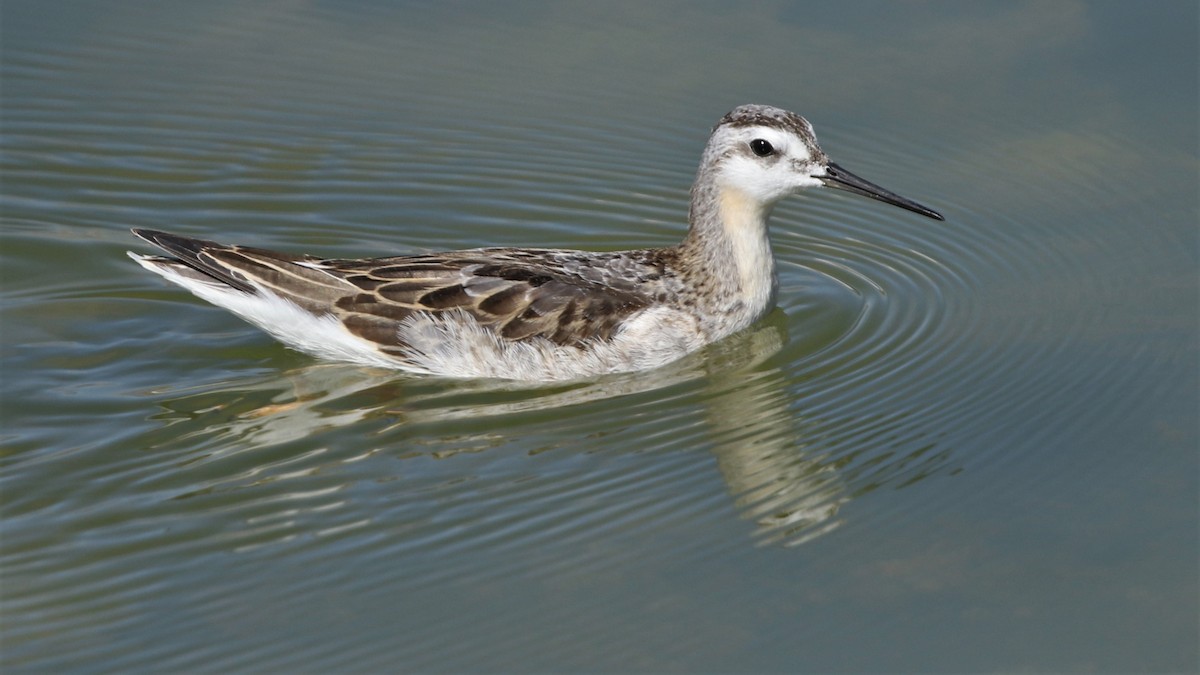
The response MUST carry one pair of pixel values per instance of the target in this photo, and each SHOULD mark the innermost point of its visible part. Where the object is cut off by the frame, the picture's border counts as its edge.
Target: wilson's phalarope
(538, 314)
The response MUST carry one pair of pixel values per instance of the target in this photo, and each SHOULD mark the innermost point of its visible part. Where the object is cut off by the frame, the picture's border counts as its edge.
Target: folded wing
(519, 294)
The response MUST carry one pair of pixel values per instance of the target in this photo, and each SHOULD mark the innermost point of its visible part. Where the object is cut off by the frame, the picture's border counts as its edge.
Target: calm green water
(959, 446)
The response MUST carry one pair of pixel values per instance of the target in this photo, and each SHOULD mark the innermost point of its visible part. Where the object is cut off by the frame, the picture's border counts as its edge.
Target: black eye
(761, 148)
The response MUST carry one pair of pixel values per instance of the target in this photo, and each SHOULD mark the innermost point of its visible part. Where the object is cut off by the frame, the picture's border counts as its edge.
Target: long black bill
(837, 177)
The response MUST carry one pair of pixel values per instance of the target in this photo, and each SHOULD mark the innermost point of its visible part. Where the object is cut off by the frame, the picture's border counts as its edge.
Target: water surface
(959, 446)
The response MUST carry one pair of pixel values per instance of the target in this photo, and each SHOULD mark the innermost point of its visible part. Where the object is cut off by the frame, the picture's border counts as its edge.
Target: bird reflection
(787, 486)
(778, 481)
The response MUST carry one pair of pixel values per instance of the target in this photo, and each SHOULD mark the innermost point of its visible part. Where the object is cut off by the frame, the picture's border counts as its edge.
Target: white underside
(453, 344)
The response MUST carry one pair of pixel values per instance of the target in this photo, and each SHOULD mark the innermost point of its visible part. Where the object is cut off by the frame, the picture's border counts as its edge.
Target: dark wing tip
(188, 251)
(146, 233)
(184, 247)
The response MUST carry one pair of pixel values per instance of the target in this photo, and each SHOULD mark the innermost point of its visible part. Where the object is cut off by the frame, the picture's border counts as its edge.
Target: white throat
(744, 221)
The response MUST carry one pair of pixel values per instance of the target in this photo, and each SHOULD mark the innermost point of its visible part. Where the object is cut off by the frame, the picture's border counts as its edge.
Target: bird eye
(761, 148)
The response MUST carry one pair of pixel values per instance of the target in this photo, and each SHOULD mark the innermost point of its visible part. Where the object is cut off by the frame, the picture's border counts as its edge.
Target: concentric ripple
(181, 493)
(948, 319)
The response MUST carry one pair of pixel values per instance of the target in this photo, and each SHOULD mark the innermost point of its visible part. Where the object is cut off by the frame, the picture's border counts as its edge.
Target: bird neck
(727, 253)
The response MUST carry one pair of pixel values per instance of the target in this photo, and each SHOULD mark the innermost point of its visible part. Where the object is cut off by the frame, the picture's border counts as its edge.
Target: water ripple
(902, 351)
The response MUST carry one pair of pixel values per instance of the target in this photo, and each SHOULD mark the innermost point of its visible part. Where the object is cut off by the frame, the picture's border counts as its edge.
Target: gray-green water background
(959, 446)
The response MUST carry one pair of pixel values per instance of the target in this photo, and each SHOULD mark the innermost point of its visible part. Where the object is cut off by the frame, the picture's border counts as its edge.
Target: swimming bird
(531, 313)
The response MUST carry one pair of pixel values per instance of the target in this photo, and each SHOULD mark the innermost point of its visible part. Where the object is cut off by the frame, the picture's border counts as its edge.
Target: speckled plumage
(536, 314)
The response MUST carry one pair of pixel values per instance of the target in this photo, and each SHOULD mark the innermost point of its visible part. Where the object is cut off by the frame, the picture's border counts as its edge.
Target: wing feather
(519, 301)
(568, 298)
